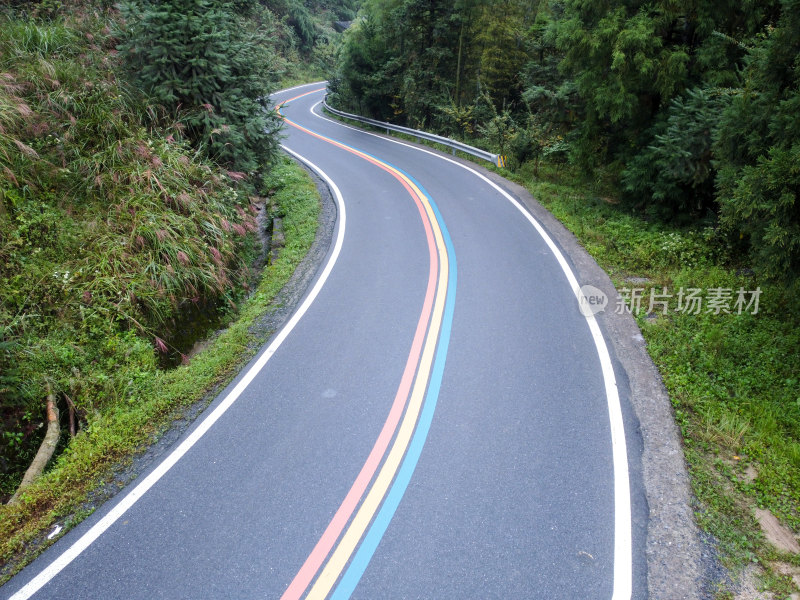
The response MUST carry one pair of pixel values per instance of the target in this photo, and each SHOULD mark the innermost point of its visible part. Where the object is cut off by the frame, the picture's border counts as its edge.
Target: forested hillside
(137, 147)
(691, 109)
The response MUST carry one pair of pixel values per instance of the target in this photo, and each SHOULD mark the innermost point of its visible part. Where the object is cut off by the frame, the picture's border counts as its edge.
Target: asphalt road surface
(438, 420)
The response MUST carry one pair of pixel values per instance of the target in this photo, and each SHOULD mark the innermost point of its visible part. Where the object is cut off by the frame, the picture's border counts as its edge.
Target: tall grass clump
(143, 400)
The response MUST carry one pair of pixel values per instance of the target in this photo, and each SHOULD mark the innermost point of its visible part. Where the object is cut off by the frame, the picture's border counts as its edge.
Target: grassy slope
(110, 233)
(119, 432)
(734, 380)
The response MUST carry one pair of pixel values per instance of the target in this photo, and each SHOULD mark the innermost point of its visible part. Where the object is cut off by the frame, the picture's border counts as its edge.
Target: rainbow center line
(417, 395)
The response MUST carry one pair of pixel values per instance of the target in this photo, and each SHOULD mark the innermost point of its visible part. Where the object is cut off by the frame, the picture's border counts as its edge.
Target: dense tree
(429, 58)
(212, 68)
(502, 44)
(758, 149)
(691, 107)
(631, 62)
(304, 17)
(368, 72)
(673, 177)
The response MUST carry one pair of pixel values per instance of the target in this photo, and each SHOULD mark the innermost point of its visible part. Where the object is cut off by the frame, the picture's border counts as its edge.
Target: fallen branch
(45, 450)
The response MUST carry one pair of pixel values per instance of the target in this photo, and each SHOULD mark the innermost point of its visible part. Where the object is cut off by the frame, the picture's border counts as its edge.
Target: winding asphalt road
(438, 419)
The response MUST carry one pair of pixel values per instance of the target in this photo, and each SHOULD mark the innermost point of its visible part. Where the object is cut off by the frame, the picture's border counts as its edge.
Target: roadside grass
(733, 379)
(132, 422)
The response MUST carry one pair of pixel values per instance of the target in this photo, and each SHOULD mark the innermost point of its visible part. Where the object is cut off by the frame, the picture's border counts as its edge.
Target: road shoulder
(678, 562)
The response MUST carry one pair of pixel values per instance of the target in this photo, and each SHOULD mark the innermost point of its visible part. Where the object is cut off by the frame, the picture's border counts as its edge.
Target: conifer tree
(759, 150)
(624, 65)
(198, 59)
(673, 177)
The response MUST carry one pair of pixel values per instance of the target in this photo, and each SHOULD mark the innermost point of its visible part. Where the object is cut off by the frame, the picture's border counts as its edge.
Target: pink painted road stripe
(323, 547)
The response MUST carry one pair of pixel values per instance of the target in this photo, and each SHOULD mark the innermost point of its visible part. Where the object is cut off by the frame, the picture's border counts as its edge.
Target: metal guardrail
(496, 159)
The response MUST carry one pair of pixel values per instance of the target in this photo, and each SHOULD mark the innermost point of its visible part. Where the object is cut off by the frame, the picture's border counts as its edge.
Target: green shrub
(759, 153)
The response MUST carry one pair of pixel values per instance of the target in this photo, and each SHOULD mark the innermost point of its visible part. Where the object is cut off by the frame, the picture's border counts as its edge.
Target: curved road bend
(441, 421)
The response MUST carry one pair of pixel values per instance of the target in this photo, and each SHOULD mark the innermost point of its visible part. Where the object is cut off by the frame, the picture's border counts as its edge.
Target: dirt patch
(790, 571)
(745, 472)
(777, 535)
(749, 475)
(748, 588)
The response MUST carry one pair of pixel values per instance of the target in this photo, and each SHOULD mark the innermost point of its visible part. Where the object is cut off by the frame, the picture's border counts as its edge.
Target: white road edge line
(133, 496)
(623, 552)
(297, 87)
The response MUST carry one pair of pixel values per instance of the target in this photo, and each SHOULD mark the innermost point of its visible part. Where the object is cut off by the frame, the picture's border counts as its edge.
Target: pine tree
(673, 177)
(759, 150)
(198, 60)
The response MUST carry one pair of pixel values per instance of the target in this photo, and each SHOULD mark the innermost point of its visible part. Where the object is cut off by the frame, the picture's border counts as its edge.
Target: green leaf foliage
(630, 60)
(417, 61)
(211, 68)
(759, 150)
(673, 178)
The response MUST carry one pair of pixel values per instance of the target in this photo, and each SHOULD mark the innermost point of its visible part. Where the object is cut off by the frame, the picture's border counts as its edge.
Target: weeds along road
(440, 420)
